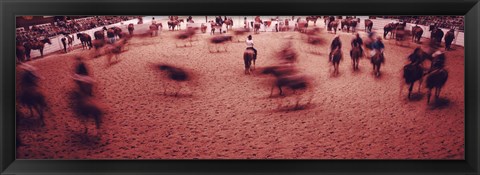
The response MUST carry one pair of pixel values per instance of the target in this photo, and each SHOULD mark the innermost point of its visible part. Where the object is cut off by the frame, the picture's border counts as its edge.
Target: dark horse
(85, 39)
(35, 45)
(368, 25)
(355, 54)
(20, 52)
(389, 28)
(448, 39)
(413, 72)
(436, 36)
(99, 35)
(376, 61)
(436, 79)
(130, 29)
(85, 107)
(248, 56)
(417, 33)
(335, 59)
(174, 23)
(30, 96)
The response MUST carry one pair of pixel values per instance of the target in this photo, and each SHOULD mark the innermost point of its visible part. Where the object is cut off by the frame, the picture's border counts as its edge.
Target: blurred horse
(216, 40)
(355, 54)
(335, 59)
(413, 72)
(376, 61)
(248, 57)
(417, 33)
(30, 96)
(436, 79)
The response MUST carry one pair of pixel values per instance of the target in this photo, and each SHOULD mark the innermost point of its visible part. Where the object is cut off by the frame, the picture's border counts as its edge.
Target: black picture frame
(10, 8)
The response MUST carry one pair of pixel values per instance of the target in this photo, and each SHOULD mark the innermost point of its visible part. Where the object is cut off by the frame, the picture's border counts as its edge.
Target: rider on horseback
(357, 42)
(336, 44)
(438, 61)
(377, 46)
(249, 43)
(416, 57)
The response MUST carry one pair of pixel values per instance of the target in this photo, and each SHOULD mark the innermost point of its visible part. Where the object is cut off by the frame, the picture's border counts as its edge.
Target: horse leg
(428, 95)
(280, 89)
(437, 93)
(271, 90)
(40, 113)
(410, 90)
(31, 111)
(420, 84)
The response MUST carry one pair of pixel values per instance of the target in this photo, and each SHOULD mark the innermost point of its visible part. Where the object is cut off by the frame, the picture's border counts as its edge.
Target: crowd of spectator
(59, 27)
(447, 22)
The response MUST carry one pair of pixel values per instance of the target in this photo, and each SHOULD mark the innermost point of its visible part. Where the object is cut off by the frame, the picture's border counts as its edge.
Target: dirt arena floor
(225, 114)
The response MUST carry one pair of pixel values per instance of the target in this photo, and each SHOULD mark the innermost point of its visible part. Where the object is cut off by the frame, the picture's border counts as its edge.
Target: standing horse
(376, 61)
(214, 26)
(355, 53)
(85, 39)
(174, 23)
(368, 25)
(20, 52)
(312, 18)
(411, 73)
(353, 24)
(130, 29)
(448, 39)
(436, 36)
(36, 45)
(417, 33)
(99, 35)
(228, 22)
(248, 56)
(389, 28)
(344, 25)
(70, 40)
(334, 25)
(335, 59)
(256, 27)
(436, 79)
(153, 30)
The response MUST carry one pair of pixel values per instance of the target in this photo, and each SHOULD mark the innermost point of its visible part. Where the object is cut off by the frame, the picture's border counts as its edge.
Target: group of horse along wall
(378, 25)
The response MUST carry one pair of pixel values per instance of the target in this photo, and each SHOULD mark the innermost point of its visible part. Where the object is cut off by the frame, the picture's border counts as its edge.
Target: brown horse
(174, 23)
(70, 40)
(36, 45)
(20, 52)
(30, 96)
(334, 25)
(256, 27)
(353, 24)
(214, 26)
(248, 57)
(130, 29)
(355, 54)
(417, 33)
(312, 18)
(154, 30)
(390, 27)
(411, 73)
(85, 39)
(449, 38)
(368, 25)
(228, 22)
(335, 59)
(376, 61)
(220, 40)
(85, 108)
(99, 34)
(436, 79)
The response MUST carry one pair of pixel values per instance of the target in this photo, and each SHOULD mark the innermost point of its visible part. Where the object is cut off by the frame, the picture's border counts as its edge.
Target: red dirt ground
(228, 115)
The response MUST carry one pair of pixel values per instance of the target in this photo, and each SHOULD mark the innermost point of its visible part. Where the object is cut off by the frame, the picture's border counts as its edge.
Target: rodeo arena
(240, 87)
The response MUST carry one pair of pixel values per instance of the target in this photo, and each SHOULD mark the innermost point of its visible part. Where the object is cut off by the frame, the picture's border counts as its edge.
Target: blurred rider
(249, 43)
(336, 44)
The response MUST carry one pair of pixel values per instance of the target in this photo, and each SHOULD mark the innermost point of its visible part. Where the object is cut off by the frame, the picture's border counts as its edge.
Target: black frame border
(10, 8)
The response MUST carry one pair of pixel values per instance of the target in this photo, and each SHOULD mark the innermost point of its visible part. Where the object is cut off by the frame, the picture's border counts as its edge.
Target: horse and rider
(250, 54)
